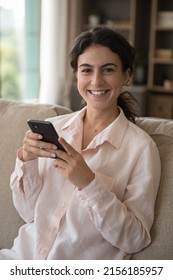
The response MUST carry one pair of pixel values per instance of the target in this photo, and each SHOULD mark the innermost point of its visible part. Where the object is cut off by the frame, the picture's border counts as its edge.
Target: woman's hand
(72, 166)
(33, 147)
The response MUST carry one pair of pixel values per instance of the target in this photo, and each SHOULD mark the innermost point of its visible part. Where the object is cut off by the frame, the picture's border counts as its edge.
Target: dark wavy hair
(118, 44)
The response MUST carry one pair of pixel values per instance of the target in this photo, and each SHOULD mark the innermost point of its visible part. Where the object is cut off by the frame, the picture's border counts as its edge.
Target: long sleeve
(26, 185)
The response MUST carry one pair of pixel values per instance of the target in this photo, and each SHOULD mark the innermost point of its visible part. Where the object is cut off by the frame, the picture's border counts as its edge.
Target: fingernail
(40, 136)
(53, 156)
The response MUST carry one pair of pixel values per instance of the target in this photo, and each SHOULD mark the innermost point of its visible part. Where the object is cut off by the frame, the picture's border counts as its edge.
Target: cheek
(81, 82)
(116, 82)
(80, 87)
(120, 81)
(118, 86)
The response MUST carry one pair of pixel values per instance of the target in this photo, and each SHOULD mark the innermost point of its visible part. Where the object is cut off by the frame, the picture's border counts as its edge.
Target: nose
(97, 78)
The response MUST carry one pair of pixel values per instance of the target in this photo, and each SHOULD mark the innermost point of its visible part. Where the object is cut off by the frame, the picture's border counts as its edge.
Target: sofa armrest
(161, 247)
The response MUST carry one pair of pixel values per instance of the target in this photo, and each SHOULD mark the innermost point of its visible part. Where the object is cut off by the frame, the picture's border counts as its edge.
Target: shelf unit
(108, 14)
(161, 37)
(124, 16)
(160, 70)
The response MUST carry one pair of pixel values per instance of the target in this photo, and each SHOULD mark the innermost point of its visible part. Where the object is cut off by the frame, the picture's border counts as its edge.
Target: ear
(127, 76)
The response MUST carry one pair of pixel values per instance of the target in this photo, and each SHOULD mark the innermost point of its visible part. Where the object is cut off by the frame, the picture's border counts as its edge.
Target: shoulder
(133, 135)
(137, 135)
(60, 118)
(63, 121)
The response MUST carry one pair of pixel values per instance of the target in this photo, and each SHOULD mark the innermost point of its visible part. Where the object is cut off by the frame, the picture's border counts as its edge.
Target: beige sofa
(13, 116)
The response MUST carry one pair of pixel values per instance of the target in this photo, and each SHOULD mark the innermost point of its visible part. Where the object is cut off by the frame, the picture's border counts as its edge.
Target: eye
(86, 70)
(108, 70)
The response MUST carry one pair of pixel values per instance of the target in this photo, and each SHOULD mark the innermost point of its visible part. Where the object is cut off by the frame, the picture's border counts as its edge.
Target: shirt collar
(75, 119)
(114, 133)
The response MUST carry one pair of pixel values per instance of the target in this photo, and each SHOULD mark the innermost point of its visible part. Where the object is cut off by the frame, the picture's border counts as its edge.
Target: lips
(98, 92)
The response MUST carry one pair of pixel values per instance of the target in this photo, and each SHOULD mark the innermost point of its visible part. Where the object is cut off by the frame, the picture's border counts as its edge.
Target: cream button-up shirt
(111, 218)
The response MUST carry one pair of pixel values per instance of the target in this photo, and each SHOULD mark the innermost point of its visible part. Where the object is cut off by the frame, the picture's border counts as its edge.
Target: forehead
(99, 55)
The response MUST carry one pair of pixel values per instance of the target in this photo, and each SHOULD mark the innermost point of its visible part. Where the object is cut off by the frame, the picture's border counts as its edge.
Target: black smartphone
(47, 130)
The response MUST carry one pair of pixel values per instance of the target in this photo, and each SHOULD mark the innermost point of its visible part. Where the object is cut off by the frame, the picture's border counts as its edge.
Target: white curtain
(60, 23)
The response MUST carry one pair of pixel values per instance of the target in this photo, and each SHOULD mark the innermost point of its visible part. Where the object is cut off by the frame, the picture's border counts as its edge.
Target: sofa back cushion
(161, 131)
(13, 125)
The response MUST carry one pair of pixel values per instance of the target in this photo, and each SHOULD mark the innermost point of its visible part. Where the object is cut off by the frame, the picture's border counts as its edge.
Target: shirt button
(52, 229)
(43, 251)
(63, 204)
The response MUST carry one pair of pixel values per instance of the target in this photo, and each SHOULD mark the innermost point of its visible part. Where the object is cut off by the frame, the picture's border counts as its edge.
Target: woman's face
(100, 77)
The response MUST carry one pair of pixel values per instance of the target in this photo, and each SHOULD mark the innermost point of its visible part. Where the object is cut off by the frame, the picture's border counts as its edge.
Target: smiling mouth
(98, 92)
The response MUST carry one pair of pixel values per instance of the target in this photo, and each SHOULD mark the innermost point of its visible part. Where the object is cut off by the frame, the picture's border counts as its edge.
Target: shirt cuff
(30, 168)
(100, 187)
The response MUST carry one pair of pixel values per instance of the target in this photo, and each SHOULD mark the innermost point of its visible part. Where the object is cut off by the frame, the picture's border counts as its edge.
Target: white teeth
(98, 92)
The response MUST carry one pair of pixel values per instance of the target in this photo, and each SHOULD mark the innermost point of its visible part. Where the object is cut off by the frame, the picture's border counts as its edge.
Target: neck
(97, 121)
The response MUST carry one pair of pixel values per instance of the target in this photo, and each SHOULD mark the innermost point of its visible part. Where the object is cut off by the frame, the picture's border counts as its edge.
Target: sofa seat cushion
(13, 125)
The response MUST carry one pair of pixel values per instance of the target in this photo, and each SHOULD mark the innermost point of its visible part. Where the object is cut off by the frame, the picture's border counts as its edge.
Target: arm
(26, 185)
(126, 224)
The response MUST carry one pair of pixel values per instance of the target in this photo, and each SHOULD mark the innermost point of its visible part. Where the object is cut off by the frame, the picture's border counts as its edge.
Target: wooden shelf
(163, 28)
(117, 26)
(119, 15)
(157, 60)
(161, 89)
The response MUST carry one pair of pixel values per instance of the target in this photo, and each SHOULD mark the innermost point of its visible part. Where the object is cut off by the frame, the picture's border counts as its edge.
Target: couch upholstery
(13, 116)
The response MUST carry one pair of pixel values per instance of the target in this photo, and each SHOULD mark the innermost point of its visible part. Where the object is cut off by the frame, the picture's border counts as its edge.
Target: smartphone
(47, 130)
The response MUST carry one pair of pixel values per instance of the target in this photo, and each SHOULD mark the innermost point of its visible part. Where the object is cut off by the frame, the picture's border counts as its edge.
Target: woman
(97, 200)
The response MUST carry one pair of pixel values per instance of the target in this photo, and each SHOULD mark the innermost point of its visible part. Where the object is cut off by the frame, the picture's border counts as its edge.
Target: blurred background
(36, 37)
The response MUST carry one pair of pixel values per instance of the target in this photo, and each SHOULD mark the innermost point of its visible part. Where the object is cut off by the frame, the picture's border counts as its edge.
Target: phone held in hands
(47, 130)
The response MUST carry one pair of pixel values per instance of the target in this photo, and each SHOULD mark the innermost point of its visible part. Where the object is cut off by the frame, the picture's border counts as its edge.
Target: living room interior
(48, 88)
(48, 30)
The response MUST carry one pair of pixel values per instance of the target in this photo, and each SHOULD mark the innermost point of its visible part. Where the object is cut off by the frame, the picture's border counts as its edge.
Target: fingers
(68, 158)
(34, 139)
(73, 166)
(69, 149)
(34, 147)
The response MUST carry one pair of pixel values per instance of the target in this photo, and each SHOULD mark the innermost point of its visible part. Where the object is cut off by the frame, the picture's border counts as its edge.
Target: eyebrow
(102, 66)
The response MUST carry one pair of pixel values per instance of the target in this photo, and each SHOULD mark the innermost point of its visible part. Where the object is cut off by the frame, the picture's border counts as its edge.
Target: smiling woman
(111, 71)
(100, 79)
(96, 200)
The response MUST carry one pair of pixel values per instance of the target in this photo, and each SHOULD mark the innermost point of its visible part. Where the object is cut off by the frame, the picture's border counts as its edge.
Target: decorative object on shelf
(94, 19)
(140, 69)
(164, 53)
(109, 23)
(168, 84)
(165, 18)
